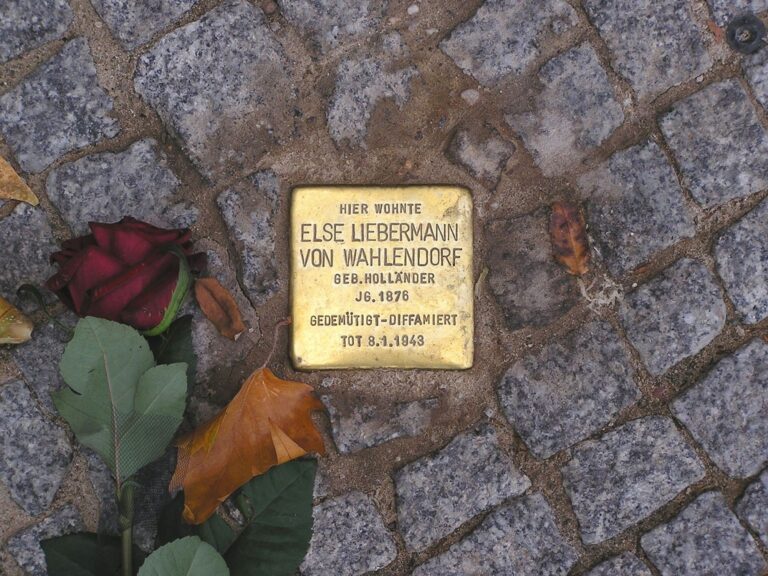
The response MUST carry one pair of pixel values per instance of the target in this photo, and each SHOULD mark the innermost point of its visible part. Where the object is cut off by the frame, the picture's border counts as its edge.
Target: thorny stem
(279, 325)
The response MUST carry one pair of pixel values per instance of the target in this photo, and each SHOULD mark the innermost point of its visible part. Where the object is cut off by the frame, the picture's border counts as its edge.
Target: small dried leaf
(15, 327)
(12, 187)
(267, 423)
(219, 307)
(569, 237)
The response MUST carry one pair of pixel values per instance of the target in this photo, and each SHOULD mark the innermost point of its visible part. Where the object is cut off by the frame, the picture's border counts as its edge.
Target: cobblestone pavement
(615, 424)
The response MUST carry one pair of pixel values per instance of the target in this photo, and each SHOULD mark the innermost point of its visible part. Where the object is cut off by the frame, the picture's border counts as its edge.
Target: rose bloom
(122, 272)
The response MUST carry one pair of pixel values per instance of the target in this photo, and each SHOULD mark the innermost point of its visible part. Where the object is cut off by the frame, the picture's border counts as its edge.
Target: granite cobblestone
(105, 187)
(635, 206)
(25, 545)
(719, 143)
(27, 24)
(705, 538)
(654, 45)
(621, 478)
(349, 538)
(576, 111)
(221, 85)
(674, 315)
(58, 108)
(36, 452)
(726, 411)
(434, 497)
(570, 389)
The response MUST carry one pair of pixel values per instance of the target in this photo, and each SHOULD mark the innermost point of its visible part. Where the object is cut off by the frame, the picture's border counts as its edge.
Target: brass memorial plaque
(382, 277)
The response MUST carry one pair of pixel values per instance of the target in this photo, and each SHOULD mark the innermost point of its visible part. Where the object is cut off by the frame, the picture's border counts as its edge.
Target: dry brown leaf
(267, 423)
(219, 307)
(15, 327)
(569, 237)
(12, 187)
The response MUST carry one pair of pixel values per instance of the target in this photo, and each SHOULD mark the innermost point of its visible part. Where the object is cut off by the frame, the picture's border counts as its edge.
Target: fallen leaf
(219, 307)
(12, 187)
(267, 423)
(569, 238)
(15, 327)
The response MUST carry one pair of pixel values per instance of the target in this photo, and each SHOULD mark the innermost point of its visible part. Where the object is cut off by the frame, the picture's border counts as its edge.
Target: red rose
(122, 272)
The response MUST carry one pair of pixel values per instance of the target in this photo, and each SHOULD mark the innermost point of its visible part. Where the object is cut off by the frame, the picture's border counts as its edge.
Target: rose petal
(131, 247)
(148, 308)
(110, 299)
(94, 267)
(133, 241)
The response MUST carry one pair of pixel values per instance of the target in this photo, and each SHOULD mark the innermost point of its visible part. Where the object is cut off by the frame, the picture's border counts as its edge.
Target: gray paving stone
(742, 262)
(105, 187)
(626, 475)
(705, 538)
(719, 143)
(27, 24)
(635, 207)
(520, 538)
(530, 287)
(655, 45)
(674, 315)
(753, 507)
(25, 546)
(625, 565)
(756, 70)
(724, 10)
(435, 496)
(482, 152)
(216, 355)
(249, 210)
(357, 426)
(58, 108)
(362, 82)
(575, 112)
(334, 23)
(134, 22)
(103, 484)
(726, 411)
(506, 36)
(222, 86)
(36, 452)
(38, 359)
(569, 390)
(27, 241)
(349, 538)
(322, 486)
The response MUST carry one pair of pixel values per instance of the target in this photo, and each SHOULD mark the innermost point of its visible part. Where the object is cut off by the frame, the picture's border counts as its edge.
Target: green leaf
(215, 531)
(189, 556)
(279, 510)
(117, 401)
(85, 554)
(169, 524)
(175, 345)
